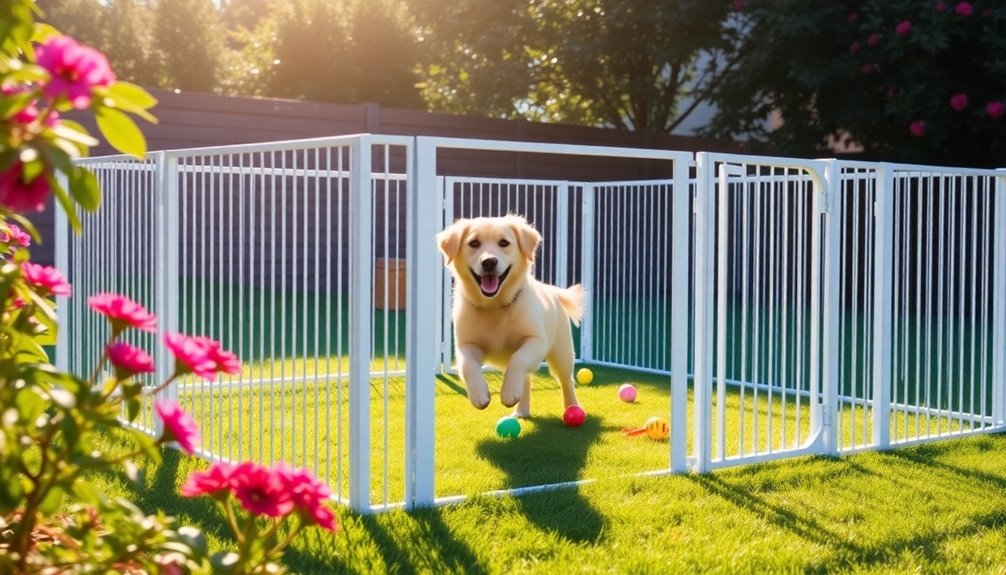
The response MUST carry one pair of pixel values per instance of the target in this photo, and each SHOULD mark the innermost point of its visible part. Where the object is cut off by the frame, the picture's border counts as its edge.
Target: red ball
(574, 416)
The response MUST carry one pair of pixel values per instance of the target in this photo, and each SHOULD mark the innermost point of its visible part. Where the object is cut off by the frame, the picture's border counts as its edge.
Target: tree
(905, 80)
(189, 42)
(349, 52)
(625, 64)
(126, 37)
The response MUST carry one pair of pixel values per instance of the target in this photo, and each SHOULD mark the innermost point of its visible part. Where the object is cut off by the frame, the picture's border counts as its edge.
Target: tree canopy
(626, 64)
(919, 81)
(913, 80)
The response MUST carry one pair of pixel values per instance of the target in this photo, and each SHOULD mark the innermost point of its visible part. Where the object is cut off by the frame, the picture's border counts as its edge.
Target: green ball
(508, 427)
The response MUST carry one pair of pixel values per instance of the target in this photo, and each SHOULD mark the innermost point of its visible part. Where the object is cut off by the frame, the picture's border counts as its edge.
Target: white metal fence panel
(116, 252)
(578, 228)
(632, 276)
(759, 391)
(836, 306)
(931, 311)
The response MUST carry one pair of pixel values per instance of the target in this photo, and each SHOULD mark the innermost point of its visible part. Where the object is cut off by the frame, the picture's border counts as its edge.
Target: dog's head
(490, 257)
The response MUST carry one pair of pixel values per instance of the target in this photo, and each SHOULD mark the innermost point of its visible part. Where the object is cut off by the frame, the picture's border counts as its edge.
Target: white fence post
(424, 271)
(831, 211)
(166, 238)
(562, 235)
(999, 306)
(883, 295)
(680, 232)
(62, 256)
(704, 229)
(587, 264)
(360, 318)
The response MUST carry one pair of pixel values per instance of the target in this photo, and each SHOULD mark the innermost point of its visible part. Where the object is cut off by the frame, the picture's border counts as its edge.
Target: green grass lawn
(307, 424)
(937, 508)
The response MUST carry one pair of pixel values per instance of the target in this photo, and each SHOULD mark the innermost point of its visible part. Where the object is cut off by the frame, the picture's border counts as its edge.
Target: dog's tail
(571, 300)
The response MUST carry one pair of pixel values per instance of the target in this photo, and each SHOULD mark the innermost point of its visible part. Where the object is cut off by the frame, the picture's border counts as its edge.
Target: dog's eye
(474, 244)
(504, 243)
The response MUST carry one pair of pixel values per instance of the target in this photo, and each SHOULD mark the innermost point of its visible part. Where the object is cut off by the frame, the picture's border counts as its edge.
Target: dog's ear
(449, 240)
(528, 238)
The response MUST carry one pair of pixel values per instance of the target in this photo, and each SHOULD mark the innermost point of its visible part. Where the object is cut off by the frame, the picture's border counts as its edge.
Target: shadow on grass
(550, 453)
(911, 469)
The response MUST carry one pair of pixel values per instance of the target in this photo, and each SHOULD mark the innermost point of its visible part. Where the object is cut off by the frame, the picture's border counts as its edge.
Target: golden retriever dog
(502, 315)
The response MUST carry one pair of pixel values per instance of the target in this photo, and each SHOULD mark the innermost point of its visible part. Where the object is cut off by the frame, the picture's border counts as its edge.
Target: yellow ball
(584, 376)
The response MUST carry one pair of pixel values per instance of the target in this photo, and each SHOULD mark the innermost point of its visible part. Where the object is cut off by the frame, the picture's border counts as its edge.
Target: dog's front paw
(479, 398)
(511, 397)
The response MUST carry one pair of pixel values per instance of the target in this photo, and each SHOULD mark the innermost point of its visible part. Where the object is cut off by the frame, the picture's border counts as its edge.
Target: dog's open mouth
(490, 283)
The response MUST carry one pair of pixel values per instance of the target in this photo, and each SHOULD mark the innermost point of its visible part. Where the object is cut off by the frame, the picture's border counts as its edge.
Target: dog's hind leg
(523, 408)
(560, 365)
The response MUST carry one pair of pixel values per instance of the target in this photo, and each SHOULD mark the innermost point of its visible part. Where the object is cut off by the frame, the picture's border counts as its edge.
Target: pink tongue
(490, 283)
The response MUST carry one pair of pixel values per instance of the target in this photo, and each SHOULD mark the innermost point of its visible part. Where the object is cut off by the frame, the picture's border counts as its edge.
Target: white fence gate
(810, 306)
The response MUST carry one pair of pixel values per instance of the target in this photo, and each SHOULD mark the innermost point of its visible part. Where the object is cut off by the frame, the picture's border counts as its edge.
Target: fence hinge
(825, 415)
(825, 201)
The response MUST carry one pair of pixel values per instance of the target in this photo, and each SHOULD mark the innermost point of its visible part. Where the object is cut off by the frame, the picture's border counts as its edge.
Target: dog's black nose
(489, 264)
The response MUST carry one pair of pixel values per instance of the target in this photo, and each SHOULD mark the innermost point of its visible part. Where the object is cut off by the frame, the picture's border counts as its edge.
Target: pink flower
(201, 356)
(917, 128)
(178, 426)
(873, 39)
(215, 480)
(129, 360)
(941, 7)
(74, 70)
(854, 47)
(261, 490)
(903, 28)
(29, 113)
(738, 6)
(309, 496)
(868, 69)
(995, 108)
(20, 195)
(19, 236)
(323, 517)
(959, 101)
(122, 312)
(45, 279)
(852, 18)
(963, 9)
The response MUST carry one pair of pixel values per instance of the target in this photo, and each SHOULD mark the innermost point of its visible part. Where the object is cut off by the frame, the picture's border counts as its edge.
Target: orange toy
(655, 428)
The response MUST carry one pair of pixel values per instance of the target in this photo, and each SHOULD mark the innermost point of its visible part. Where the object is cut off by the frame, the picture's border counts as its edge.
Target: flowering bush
(54, 424)
(917, 81)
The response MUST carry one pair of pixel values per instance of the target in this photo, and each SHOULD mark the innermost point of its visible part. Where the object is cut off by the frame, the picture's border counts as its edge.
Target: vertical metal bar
(588, 264)
(829, 290)
(166, 239)
(561, 235)
(423, 272)
(704, 228)
(61, 237)
(360, 298)
(882, 298)
(680, 224)
(999, 305)
(722, 259)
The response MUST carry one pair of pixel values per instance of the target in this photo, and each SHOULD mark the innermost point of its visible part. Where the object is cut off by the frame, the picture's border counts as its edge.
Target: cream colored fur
(516, 327)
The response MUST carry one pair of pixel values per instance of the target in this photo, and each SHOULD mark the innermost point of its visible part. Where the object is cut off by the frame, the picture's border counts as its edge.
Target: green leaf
(66, 203)
(120, 131)
(132, 408)
(75, 133)
(131, 98)
(84, 188)
(52, 501)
